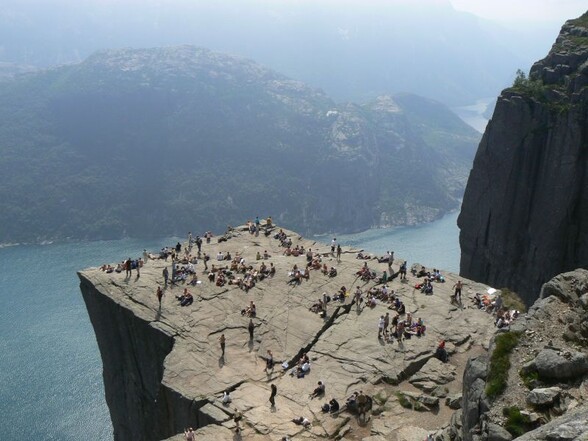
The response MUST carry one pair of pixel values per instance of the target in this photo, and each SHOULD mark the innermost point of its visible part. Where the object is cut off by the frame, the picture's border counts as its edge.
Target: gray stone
(454, 401)
(543, 396)
(433, 373)
(498, 433)
(427, 400)
(552, 366)
(571, 426)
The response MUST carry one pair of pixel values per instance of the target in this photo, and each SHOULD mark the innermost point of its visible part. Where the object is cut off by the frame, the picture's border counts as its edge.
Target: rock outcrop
(546, 392)
(524, 216)
(163, 369)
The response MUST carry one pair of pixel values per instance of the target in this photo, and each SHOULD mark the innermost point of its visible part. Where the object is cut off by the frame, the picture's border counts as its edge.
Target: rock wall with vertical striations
(524, 216)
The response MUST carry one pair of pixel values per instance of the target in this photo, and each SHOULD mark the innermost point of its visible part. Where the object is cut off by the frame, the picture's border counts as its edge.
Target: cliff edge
(524, 216)
(164, 371)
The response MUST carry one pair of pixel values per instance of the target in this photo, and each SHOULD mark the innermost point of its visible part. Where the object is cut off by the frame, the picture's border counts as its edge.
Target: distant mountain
(161, 141)
(353, 50)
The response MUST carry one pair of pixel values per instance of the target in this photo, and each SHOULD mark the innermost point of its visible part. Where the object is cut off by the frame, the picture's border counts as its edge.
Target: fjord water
(50, 369)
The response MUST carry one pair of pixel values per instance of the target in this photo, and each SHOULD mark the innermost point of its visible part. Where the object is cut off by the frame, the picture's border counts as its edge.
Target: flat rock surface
(345, 351)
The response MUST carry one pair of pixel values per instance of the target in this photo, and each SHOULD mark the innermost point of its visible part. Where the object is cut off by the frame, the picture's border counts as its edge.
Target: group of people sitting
(186, 299)
(250, 275)
(296, 251)
(296, 275)
(250, 310)
(365, 273)
(302, 367)
(285, 241)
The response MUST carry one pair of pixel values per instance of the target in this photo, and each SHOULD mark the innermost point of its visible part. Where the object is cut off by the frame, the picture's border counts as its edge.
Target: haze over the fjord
(353, 50)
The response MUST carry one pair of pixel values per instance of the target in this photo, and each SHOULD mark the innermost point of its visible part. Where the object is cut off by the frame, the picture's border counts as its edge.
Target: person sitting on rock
(317, 307)
(186, 298)
(250, 311)
(226, 399)
(325, 269)
(333, 272)
(334, 406)
(272, 270)
(296, 278)
(318, 390)
(266, 255)
(301, 421)
(441, 352)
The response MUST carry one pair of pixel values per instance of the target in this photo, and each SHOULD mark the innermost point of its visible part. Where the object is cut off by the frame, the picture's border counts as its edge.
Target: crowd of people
(233, 269)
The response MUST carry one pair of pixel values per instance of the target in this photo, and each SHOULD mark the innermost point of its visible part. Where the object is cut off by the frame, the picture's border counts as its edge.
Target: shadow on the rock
(221, 361)
(250, 345)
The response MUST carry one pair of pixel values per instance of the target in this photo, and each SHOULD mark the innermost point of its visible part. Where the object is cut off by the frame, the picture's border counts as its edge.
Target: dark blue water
(50, 368)
(434, 245)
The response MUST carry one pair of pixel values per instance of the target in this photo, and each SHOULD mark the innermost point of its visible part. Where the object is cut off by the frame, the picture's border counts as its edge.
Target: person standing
(251, 328)
(333, 245)
(381, 324)
(128, 267)
(457, 293)
(269, 362)
(222, 340)
(189, 434)
(272, 398)
(339, 253)
(386, 323)
(165, 275)
(159, 295)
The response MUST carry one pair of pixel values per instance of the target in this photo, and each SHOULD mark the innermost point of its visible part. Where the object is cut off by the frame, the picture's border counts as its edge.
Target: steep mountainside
(524, 216)
(162, 141)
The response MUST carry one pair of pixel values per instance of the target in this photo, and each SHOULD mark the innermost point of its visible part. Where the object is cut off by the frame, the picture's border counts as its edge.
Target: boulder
(454, 401)
(498, 433)
(571, 426)
(551, 365)
(543, 396)
(433, 373)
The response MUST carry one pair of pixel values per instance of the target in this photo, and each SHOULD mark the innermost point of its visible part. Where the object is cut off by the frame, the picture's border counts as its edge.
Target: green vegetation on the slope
(581, 20)
(534, 88)
(530, 378)
(511, 300)
(500, 363)
(516, 423)
(164, 141)
(528, 86)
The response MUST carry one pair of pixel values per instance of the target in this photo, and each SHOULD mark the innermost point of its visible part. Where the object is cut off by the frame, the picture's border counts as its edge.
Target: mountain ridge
(128, 143)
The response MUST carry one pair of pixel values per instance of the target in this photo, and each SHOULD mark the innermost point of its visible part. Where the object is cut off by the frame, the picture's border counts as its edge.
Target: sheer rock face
(163, 369)
(524, 216)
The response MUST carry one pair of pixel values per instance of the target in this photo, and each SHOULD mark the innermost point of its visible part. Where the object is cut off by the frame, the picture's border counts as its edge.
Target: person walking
(159, 294)
(272, 398)
(251, 328)
(222, 340)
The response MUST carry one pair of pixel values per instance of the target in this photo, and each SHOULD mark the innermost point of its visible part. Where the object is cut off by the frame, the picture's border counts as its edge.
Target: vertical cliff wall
(133, 351)
(524, 216)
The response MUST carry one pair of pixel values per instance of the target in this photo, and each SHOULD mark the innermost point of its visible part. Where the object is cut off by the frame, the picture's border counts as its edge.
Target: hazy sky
(524, 10)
